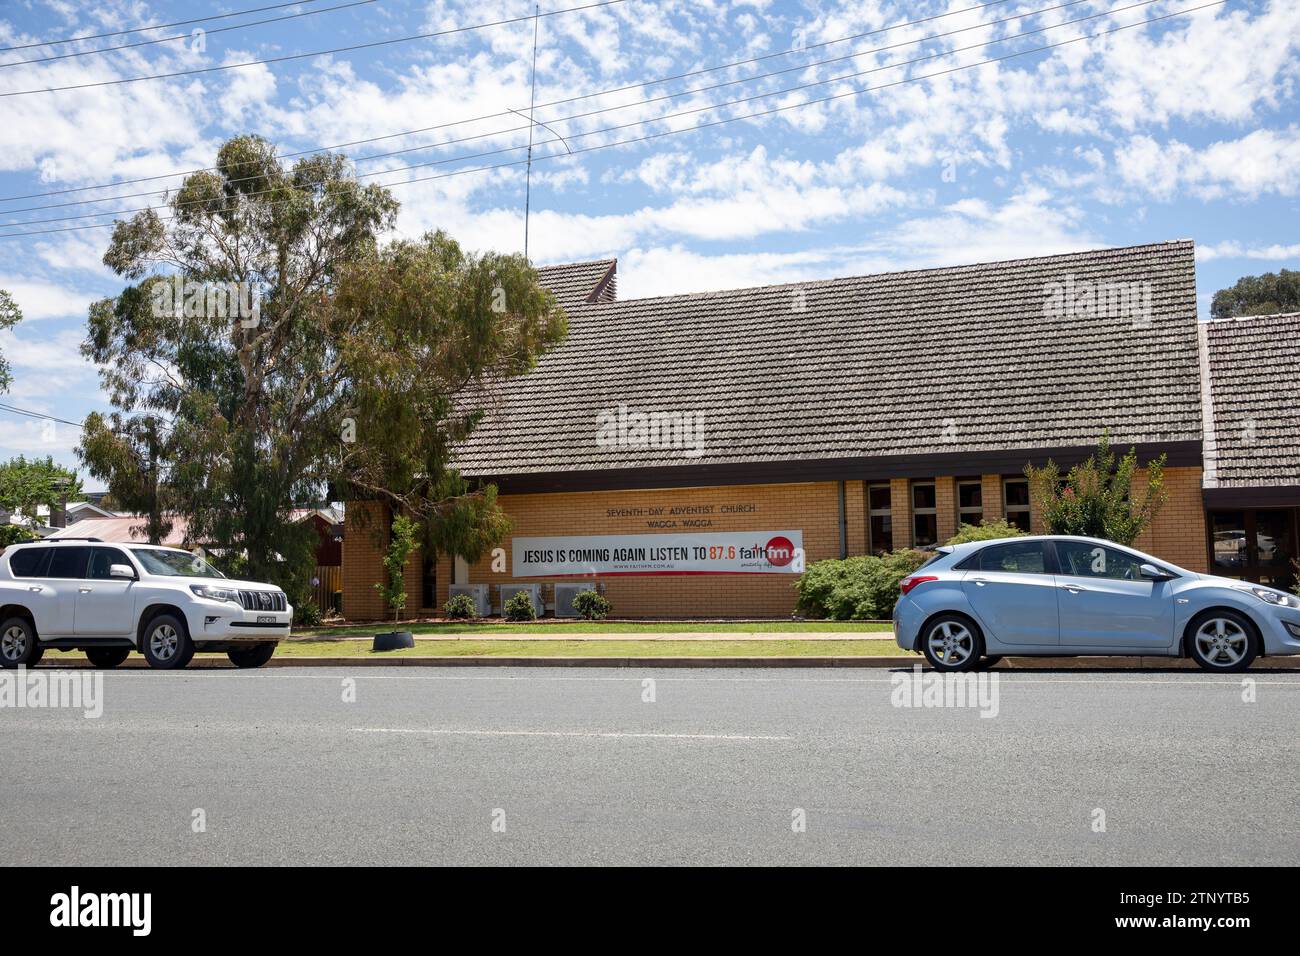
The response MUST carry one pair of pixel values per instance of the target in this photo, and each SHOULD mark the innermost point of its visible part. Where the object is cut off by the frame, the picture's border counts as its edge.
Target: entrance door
(1254, 544)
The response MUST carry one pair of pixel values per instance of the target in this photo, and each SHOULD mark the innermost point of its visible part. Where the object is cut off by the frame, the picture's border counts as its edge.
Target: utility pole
(532, 102)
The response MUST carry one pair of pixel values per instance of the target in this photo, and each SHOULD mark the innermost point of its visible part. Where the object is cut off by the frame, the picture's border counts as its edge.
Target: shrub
(520, 607)
(984, 531)
(460, 606)
(1095, 498)
(858, 588)
(307, 614)
(15, 534)
(591, 606)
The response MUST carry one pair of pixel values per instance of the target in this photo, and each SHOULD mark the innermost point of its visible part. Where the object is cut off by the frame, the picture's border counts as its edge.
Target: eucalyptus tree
(268, 348)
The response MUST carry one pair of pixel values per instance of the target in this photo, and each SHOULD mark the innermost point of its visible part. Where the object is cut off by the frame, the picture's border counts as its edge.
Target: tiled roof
(579, 283)
(130, 528)
(1253, 366)
(935, 361)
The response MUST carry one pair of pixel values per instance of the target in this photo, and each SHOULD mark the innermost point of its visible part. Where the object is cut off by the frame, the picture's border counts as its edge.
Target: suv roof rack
(70, 538)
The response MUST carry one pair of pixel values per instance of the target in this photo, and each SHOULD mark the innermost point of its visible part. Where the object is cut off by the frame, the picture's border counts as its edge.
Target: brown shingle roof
(925, 362)
(580, 283)
(1254, 385)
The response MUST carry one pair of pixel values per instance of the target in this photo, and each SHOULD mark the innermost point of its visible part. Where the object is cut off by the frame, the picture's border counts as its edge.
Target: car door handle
(34, 587)
(1073, 588)
(85, 590)
(980, 582)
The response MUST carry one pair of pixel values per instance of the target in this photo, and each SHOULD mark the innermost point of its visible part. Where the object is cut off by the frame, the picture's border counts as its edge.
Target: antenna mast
(532, 101)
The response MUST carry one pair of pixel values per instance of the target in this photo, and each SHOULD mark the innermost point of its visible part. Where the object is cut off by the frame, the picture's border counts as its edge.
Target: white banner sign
(723, 552)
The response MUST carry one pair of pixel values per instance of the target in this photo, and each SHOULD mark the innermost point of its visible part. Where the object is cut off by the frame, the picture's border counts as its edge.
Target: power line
(669, 96)
(733, 119)
(186, 36)
(299, 56)
(472, 119)
(4, 407)
(156, 26)
(644, 102)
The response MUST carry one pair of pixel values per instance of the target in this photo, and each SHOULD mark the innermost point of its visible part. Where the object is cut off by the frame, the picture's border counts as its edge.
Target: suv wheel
(18, 643)
(254, 656)
(951, 642)
(1222, 641)
(166, 644)
(107, 656)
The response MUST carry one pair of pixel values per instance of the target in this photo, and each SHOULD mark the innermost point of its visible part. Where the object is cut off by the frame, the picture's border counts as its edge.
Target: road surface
(576, 766)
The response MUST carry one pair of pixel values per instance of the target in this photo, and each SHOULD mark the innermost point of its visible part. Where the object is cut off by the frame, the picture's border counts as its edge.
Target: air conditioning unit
(479, 594)
(534, 592)
(564, 595)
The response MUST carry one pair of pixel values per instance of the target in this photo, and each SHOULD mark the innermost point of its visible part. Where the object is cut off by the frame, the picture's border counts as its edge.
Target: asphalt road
(582, 770)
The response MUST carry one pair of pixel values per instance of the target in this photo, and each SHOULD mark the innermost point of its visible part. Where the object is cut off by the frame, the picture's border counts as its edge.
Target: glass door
(1254, 544)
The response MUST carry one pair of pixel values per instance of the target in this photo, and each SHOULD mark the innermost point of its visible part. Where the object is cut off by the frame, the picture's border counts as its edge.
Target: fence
(329, 578)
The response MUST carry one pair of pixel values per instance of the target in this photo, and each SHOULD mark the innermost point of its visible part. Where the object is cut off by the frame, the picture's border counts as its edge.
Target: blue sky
(1187, 127)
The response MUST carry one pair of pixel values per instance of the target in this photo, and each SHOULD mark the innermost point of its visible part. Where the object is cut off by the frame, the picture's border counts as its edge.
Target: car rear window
(29, 562)
(1022, 557)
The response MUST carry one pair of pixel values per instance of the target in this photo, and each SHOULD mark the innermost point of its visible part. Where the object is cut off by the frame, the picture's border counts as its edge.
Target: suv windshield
(179, 563)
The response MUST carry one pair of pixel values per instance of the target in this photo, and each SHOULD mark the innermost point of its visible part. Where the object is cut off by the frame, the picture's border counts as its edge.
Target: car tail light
(907, 584)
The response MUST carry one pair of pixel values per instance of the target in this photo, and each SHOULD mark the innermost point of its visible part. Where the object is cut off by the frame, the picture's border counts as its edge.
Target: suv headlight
(1270, 596)
(214, 594)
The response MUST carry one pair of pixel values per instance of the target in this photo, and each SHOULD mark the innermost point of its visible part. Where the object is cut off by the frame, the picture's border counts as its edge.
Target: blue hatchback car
(1057, 596)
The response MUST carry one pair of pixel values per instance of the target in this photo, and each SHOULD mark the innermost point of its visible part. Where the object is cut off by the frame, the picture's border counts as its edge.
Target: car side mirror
(1152, 573)
(121, 571)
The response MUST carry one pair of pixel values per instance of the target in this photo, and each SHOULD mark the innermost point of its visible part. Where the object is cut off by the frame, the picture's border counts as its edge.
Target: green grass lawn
(598, 648)
(502, 628)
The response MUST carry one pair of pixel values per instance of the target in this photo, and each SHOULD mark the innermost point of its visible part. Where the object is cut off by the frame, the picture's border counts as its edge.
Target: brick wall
(1177, 536)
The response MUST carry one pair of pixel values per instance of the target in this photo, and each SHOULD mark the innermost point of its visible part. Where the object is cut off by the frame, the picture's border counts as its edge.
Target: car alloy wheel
(951, 644)
(13, 644)
(164, 641)
(1222, 642)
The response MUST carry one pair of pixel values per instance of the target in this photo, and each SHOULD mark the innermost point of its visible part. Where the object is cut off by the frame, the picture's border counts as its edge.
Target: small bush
(858, 588)
(591, 606)
(459, 607)
(984, 531)
(16, 534)
(306, 614)
(520, 607)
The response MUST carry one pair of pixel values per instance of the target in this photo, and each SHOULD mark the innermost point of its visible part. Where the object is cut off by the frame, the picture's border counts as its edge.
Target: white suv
(106, 599)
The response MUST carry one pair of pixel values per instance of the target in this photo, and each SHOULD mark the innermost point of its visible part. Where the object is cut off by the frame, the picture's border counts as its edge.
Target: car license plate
(266, 619)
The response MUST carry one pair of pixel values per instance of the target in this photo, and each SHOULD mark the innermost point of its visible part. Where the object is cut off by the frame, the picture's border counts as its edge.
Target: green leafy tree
(434, 329)
(27, 485)
(1095, 498)
(16, 534)
(401, 542)
(127, 454)
(232, 419)
(10, 315)
(1259, 295)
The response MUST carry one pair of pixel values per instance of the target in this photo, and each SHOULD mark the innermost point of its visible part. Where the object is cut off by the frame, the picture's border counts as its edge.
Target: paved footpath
(415, 765)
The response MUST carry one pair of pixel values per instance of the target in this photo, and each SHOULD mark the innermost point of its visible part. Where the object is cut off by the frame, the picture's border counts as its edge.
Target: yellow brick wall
(945, 506)
(812, 508)
(1178, 535)
(991, 496)
(363, 556)
(900, 504)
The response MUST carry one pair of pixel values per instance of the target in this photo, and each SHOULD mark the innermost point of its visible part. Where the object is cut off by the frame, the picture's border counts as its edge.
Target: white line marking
(559, 733)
